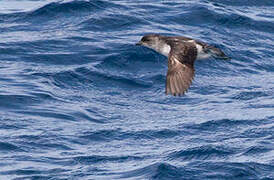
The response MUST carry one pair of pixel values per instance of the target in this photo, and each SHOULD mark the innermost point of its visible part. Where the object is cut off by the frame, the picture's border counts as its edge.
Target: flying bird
(181, 53)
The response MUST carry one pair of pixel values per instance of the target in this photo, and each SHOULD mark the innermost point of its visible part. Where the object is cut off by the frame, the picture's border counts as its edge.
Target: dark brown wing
(178, 38)
(179, 78)
(180, 68)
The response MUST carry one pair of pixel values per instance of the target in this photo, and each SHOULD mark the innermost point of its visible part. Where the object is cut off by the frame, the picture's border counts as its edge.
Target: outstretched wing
(180, 68)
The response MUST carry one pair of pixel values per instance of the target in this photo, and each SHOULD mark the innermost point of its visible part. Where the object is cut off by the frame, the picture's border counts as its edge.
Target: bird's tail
(216, 52)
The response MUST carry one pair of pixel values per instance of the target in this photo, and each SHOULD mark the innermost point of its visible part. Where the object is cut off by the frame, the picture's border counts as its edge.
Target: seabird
(181, 53)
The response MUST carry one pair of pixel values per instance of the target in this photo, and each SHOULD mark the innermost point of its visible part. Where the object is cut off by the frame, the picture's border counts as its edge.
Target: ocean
(79, 100)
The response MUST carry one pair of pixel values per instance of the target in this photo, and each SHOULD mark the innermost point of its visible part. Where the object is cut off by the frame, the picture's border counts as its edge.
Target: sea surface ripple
(78, 99)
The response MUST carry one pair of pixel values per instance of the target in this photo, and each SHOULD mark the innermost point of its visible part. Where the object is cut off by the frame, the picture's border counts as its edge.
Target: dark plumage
(180, 67)
(182, 53)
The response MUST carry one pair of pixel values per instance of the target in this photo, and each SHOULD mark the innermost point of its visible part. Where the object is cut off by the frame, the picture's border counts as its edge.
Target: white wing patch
(199, 48)
(165, 50)
(200, 52)
(192, 41)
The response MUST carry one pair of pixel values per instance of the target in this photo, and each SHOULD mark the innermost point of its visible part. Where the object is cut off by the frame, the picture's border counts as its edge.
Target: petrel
(181, 53)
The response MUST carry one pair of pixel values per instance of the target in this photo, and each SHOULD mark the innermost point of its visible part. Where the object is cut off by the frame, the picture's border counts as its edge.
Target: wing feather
(180, 68)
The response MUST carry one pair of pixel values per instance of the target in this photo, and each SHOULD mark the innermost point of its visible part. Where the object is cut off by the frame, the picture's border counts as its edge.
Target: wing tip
(176, 85)
(175, 93)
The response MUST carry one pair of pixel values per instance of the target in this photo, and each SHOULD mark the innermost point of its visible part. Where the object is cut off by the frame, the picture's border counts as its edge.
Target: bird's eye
(145, 39)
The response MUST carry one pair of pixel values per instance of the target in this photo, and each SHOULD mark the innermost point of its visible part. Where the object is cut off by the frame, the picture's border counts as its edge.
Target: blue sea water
(78, 100)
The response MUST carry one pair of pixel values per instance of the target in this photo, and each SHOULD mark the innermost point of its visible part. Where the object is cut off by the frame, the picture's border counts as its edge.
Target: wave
(111, 22)
(70, 7)
(202, 153)
(249, 95)
(15, 101)
(94, 79)
(103, 159)
(158, 171)
(4, 146)
(58, 9)
(198, 170)
(256, 150)
(111, 135)
(195, 15)
(203, 16)
(222, 124)
(244, 2)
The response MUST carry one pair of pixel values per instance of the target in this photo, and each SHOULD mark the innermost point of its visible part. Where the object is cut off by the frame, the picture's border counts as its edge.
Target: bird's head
(151, 41)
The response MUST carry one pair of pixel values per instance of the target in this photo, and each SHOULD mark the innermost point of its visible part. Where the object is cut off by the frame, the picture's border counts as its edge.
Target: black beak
(138, 43)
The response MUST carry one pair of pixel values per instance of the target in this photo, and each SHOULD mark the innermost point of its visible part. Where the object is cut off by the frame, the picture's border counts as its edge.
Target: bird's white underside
(200, 53)
(165, 50)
